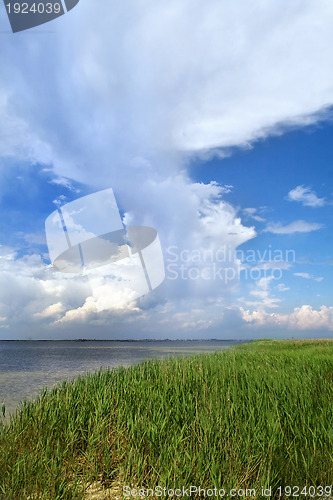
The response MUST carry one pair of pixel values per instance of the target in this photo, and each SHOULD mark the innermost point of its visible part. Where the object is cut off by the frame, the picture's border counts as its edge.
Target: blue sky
(300, 163)
(220, 143)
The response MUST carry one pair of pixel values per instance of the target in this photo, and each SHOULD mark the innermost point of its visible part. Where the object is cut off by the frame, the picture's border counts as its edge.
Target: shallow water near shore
(26, 367)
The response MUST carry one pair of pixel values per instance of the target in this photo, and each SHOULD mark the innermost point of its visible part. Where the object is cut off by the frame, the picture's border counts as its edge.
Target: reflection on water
(27, 367)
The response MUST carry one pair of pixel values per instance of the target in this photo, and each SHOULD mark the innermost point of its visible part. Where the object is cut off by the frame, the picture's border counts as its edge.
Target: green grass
(260, 414)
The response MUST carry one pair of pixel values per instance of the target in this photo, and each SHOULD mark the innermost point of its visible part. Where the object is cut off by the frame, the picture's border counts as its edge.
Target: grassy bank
(257, 415)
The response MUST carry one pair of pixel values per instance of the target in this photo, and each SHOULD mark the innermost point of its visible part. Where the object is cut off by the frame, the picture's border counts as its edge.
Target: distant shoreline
(126, 340)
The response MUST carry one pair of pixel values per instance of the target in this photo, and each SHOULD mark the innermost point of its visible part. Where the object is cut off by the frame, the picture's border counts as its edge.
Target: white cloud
(281, 287)
(261, 291)
(7, 252)
(60, 200)
(303, 275)
(36, 301)
(54, 310)
(271, 264)
(66, 183)
(32, 238)
(207, 222)
(302, 318)
(253, 214)
(306, 196)
(309, 276)
(110, 301)
(152, 84)
(17, 139)
(299, 226)
(132, 91)
(32, 293)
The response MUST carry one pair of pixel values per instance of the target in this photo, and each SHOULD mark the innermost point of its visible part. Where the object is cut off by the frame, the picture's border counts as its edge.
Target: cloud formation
(186, 77)
(306, 196)
(302, 318)
(309, 276)
(253, 213)
(299, 226)
(133, 91)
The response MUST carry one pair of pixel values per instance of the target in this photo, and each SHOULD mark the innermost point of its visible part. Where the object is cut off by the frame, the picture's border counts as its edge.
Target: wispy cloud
(32, 238)
(281, 287)
(308, 276)
(306, 196)
(263, 295)
(7, 253)
(253, 213)
(299, 226)
(64, 182)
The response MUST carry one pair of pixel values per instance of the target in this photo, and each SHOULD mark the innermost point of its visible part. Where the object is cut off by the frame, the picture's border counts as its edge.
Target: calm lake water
(27, 367)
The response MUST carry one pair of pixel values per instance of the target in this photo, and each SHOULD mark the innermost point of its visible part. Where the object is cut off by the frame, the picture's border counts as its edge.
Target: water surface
(27, 367)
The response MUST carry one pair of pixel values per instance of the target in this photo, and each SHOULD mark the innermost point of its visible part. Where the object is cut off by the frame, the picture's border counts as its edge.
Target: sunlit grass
(259, 414)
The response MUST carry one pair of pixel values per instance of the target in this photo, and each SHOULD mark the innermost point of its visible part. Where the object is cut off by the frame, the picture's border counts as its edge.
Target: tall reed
(257, 415)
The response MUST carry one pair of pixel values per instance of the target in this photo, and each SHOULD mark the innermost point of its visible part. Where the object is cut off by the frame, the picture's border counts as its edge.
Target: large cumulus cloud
(124, 94)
